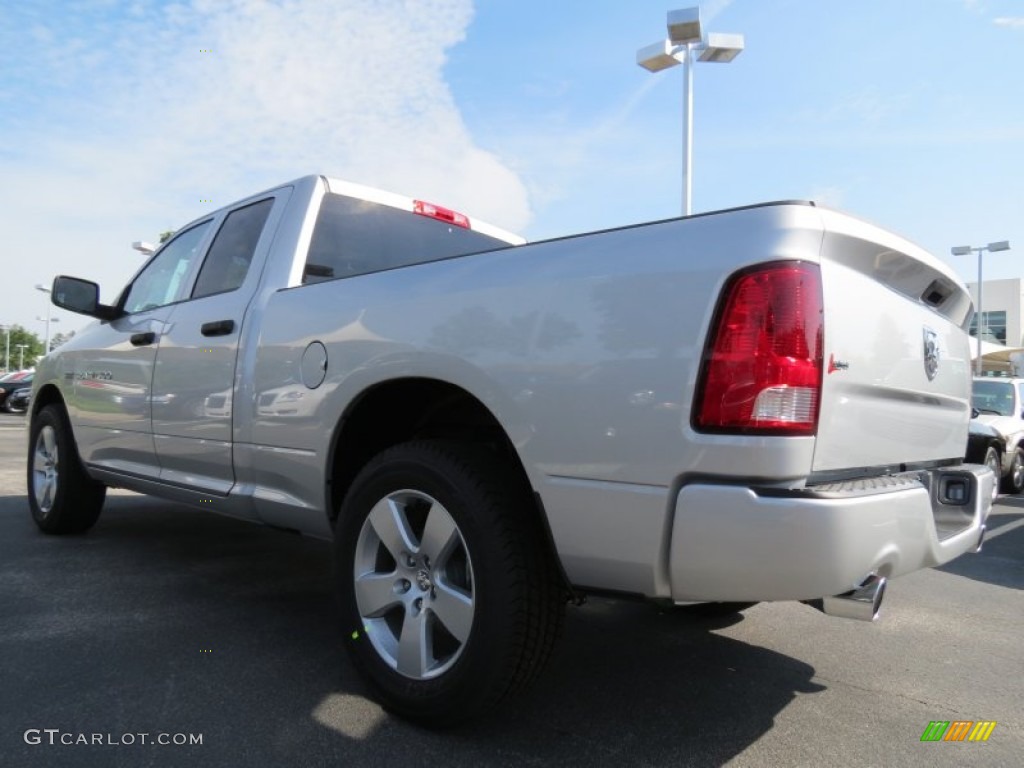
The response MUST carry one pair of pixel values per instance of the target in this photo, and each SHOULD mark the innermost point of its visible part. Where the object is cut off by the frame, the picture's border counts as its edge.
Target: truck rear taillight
(762, 367)
(442, 214)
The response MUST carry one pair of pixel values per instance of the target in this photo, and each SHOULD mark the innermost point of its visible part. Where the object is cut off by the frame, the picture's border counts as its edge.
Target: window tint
(228, 260)
(163, 279)
(353, 237)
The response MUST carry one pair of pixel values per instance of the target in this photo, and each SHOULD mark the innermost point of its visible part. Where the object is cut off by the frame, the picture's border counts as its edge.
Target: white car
(1000, 404)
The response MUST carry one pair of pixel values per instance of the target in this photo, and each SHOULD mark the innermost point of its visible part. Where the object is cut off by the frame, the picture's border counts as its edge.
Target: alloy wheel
(414, 588)
(45, 469)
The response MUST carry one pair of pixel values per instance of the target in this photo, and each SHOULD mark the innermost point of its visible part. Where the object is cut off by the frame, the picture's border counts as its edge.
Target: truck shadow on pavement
(165, 619)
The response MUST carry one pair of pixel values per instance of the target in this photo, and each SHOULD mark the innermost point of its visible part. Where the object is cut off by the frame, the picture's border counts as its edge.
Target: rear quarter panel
(586, 349)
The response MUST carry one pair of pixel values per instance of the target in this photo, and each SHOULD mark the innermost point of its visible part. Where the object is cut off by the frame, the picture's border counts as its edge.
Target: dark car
(985, 446)
(18, 401)
(10, 385)
(14, 376)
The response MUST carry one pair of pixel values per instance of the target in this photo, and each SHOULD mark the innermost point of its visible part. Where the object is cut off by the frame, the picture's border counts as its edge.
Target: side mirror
(975, 413)
(81, 296)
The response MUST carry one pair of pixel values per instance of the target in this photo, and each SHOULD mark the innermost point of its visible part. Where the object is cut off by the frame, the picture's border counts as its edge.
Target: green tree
(60, 338)
(19, 335)
(165, 236)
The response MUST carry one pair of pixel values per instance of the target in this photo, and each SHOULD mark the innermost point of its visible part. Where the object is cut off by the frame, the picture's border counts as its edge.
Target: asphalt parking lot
(174, 623)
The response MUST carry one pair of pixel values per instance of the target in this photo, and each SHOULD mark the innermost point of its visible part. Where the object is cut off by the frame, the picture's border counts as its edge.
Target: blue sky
(115, 121)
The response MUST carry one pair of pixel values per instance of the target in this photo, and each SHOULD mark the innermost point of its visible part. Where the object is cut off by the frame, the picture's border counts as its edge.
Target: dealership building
(1002, 302)
(1001, 320)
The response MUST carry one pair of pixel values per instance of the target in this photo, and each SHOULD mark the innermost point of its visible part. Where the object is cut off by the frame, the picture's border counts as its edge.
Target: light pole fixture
(967, 250)
(21, 355)
(49, 306)
(146, 249)
(686, 37)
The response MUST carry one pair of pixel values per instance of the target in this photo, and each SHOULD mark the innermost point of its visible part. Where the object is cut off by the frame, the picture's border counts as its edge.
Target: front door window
(164, 279)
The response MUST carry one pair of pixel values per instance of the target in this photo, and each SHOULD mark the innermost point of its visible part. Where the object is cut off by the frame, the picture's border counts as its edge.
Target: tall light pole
(966, 250)
(7, 352)
(49, 305)
(21, 355)
(686, 37)
(47, 320)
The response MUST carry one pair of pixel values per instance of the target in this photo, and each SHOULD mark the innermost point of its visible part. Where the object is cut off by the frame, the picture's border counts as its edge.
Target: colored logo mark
(958, 730)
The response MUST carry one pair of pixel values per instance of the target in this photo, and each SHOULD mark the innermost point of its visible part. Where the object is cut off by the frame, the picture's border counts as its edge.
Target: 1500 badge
(91, 375)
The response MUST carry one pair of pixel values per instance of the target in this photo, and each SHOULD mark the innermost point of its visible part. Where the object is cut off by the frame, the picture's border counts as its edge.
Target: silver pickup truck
(766, 403)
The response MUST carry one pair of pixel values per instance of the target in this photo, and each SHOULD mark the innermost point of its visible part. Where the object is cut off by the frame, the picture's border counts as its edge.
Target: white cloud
(1010, 21)
(355, 89)
(867, 107)
(126, 122)
(559, 157)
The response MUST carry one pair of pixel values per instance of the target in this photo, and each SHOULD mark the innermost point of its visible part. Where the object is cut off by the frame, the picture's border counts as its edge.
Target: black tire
(994, 462)
(63, 498)
(714, 610)
(1014, 481)
(491, 603)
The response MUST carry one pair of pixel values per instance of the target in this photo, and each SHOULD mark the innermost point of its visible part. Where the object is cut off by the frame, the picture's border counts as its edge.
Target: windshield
(994, 397)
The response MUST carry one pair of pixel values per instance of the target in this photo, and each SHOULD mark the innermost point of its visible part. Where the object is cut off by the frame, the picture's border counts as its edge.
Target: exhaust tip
(862, 603)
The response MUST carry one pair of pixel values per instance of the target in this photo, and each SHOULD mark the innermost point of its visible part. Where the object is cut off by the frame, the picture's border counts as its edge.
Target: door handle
(142, 339)
(218, 328)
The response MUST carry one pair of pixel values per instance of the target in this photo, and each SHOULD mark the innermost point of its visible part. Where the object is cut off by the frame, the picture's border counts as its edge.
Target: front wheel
(62, 497)
(449, 593)
(1014, 481)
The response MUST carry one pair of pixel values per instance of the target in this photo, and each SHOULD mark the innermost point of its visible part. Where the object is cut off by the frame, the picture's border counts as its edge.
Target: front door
(112, 398)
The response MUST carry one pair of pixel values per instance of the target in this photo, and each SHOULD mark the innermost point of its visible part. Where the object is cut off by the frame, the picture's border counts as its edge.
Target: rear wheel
(1014, 481)
(449, 594)
(62, 497)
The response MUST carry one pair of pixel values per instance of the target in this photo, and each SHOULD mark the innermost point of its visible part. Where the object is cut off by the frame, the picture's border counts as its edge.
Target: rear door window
(227, 262)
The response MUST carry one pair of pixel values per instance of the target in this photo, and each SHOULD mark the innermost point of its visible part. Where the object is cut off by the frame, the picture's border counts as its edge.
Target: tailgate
(896, 384)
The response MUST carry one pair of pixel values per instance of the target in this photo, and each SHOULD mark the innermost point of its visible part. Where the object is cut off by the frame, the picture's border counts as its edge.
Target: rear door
(194, 378)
